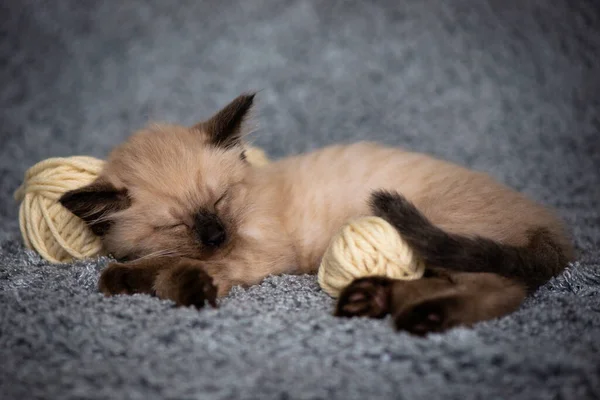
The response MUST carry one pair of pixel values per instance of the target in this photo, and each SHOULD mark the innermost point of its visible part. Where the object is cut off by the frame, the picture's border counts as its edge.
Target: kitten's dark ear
(225, 128)
(95, 203)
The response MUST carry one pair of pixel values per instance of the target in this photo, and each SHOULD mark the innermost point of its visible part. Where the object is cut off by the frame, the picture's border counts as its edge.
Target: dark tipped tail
(533, 265)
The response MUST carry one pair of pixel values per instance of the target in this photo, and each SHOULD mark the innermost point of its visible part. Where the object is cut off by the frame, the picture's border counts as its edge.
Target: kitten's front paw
(188, 285)
(120, 278)
(365, 297)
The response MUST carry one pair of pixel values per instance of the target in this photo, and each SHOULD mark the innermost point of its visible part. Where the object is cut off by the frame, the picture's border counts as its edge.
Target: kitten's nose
(210, 230)
(215, 236)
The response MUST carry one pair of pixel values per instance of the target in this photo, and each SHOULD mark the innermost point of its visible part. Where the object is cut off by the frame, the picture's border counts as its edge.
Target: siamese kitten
(193, 219)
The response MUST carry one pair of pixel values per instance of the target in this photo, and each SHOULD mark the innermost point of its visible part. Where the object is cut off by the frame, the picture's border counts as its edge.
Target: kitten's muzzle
(209, 229)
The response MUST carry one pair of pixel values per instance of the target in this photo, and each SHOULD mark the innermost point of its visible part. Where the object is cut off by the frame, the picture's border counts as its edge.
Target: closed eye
(168, 227)
(220, 199)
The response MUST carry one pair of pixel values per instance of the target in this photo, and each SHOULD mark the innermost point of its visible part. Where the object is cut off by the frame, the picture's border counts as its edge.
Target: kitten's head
(169, 189)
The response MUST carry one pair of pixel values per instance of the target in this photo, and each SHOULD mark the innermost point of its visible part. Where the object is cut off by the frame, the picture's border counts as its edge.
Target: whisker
(159, 253)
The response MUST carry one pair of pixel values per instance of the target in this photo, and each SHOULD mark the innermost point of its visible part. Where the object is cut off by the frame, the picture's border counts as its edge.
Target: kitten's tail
(532, 265)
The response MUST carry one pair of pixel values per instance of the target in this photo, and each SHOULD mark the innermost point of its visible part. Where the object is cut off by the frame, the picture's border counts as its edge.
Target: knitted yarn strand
(46, 226)
(366, 246)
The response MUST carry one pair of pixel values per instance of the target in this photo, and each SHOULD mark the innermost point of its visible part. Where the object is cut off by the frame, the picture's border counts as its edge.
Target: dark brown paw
(365, 297)
(194, 287)
(428, 316)
(123, 279)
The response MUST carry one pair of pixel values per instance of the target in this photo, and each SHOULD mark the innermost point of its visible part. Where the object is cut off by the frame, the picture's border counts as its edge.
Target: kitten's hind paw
(429, 316)
(365, 297)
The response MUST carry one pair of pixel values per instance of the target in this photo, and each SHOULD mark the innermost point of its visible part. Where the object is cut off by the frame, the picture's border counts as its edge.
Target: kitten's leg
(182, 280)
(436, 303)
(133, 277)
(372, 296)
(464, 300)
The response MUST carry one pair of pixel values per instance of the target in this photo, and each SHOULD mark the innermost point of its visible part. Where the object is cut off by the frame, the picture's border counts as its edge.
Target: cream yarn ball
(363, 247)
(46, 226)
(49, 228)
(256, 156)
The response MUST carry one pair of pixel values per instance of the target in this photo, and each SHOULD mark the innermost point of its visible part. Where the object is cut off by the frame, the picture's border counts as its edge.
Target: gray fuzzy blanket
(509, 87)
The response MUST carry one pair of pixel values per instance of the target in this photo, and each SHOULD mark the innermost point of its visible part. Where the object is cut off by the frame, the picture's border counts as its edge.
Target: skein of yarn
(367, 246)
(46, 226)
(49, 228)
(256, 156)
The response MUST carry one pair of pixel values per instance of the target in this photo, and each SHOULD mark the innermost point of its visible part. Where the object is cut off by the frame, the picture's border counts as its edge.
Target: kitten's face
(170, 190)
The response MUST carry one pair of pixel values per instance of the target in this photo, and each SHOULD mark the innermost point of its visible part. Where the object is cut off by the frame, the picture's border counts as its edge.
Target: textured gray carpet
(508, 87)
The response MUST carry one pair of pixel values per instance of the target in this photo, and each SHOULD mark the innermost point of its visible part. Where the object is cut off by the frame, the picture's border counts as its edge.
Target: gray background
(507, 87)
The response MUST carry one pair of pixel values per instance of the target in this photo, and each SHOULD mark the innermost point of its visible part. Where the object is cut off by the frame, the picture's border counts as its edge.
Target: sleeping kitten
(193, 219)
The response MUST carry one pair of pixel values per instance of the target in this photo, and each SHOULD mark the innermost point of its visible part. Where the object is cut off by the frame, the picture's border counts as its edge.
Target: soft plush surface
(506, 86)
